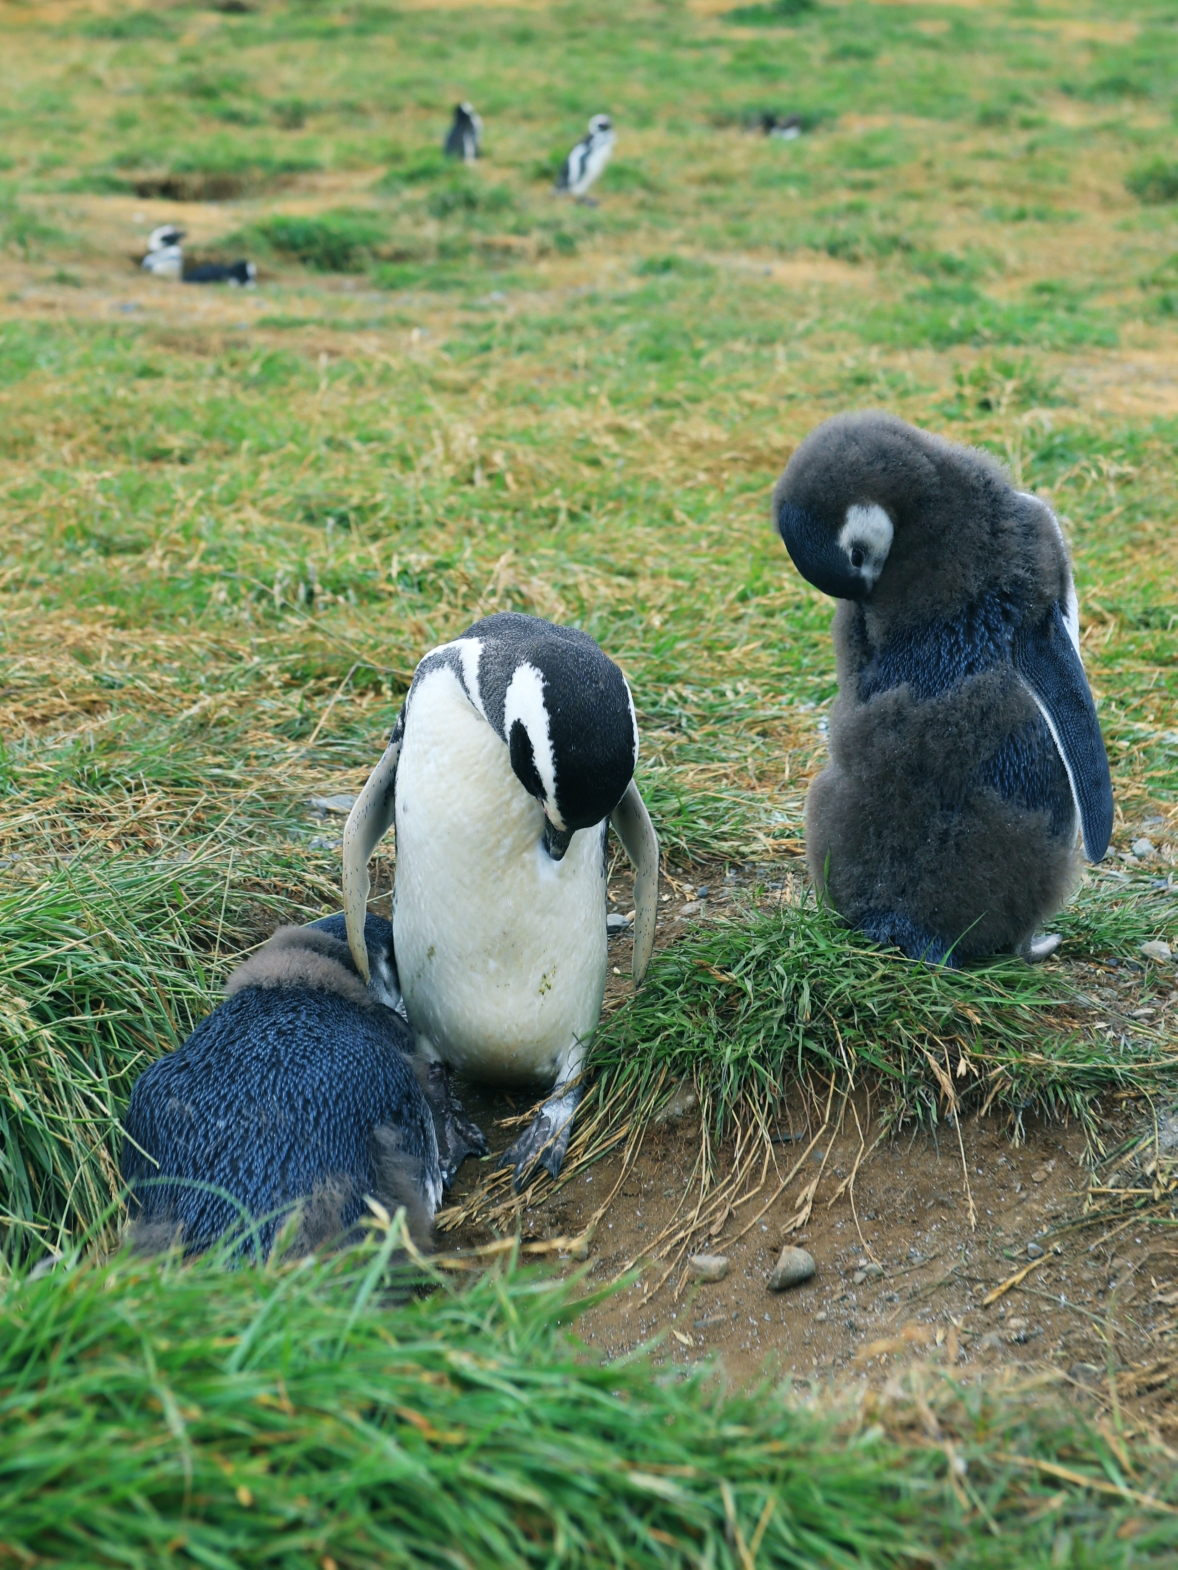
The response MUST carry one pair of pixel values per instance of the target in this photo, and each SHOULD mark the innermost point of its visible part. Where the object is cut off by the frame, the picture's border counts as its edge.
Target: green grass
(230, 524)
(310, 1414)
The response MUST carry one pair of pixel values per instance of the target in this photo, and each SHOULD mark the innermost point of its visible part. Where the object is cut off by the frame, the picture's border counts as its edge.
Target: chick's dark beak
(817, 555)
(556, 841)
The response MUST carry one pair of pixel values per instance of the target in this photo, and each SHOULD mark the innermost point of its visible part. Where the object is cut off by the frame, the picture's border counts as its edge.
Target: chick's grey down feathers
(944, 821)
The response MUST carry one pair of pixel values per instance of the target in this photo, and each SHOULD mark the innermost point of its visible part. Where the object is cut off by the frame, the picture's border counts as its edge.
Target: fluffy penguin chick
(462, 139)
(514, 751)
(964, 743)
(584, 165)
(296, 1092)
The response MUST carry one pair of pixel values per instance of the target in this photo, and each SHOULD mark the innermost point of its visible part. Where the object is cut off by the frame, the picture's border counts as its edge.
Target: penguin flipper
(631, 823)
(367, 824)
(1046, 659)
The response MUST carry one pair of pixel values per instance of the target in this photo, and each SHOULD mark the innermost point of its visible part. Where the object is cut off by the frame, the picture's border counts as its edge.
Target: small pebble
(708, 1267)
(1142, 847)
(616, 924)
(1034, 1251)
(794, 1266)
(820, 1316)
(867, 1272)
(681, 1104)
(692, 908)
(324, 804)
(1039, 1175)
(1156, 949)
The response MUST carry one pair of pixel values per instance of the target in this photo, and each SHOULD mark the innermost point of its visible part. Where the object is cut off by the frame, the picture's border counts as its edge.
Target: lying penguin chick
(238, 275)
(584, 165)
(964, 743)
(513, 754)
(295, 1093)
(462, 139)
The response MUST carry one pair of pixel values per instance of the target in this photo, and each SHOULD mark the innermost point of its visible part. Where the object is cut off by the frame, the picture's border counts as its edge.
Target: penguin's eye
(857, 557)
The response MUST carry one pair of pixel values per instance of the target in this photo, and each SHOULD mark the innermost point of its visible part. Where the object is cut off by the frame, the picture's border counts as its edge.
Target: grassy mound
(309, 1415)
(752, 1005)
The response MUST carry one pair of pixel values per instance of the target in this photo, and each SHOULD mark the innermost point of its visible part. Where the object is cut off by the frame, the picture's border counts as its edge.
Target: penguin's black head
(846, 492)
(565, 712)
(384, 982)
(600, 124)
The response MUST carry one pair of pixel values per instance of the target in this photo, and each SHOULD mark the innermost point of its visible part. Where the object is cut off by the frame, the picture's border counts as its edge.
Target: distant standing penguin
(964, 744)
(297, 1091)
(464, 135)
(513, 754)
(583, 166)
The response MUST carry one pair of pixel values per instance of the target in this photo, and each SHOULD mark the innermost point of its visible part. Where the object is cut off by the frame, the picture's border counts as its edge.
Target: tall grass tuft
(311, 1414)
(748, 1007)
(102, 967)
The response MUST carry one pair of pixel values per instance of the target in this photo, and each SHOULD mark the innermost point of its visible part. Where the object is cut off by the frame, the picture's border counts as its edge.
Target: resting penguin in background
(964, 743)
(296, 1091)
(513, 754)
(584, 165)
(462, 139)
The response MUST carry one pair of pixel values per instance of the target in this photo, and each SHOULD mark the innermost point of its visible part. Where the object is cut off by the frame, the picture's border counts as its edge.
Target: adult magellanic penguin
(964, 744)
(513, 754)
(299, 1090)
(584, 165)
(465, 134)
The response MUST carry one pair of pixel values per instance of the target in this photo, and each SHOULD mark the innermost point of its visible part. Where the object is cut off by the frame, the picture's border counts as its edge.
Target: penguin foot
(892, 931)
(1036, 949)
(458, 1136)
(546, 1142)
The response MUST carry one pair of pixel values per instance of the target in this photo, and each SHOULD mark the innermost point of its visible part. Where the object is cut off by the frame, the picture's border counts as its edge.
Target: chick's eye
(857, 557)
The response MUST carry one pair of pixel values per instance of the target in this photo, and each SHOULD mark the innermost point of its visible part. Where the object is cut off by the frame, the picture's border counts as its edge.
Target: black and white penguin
(464, 135)
(964, 744)
(298, 1091)
(583, 166)
(165, 259)
(786, 128)
(512, 756)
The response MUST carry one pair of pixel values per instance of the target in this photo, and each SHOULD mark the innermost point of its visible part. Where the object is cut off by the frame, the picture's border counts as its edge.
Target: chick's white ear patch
(524, 701)
(868, 530)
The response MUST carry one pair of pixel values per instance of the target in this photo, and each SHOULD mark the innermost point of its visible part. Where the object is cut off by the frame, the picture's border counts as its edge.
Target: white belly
(501, 950)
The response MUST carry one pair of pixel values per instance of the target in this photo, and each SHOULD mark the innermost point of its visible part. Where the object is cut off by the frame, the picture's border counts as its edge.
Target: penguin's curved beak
(556, 841)
(818, 556)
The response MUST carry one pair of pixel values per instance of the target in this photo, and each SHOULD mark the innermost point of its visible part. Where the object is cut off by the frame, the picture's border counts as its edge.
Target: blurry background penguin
(513, 754)
(964, 744)
(298, 1092)
(465, 133)
(583, 166)
(165, 259)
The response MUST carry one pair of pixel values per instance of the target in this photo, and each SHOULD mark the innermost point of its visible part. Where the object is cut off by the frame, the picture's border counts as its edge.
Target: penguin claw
(1036, 949)
(458, 1135)
(546, 1142)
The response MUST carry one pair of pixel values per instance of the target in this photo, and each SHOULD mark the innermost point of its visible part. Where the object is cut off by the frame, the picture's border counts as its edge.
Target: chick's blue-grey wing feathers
(1047, 660)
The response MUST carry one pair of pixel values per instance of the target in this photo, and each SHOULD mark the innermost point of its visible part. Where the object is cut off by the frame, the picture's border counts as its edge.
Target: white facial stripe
(524, 701)
(468, 650)
(871, 530)
(633, 721)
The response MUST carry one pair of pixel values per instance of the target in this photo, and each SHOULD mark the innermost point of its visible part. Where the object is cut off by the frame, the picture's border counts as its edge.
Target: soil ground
(902, 1272)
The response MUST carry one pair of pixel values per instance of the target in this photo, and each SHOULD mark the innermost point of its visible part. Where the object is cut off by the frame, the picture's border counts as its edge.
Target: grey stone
(1034, 1251)
(325, 804)
(616, 924)
(1156, 949)
(1142, 847)
(681, 1105)
(794, 1265)
(708, 1267)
